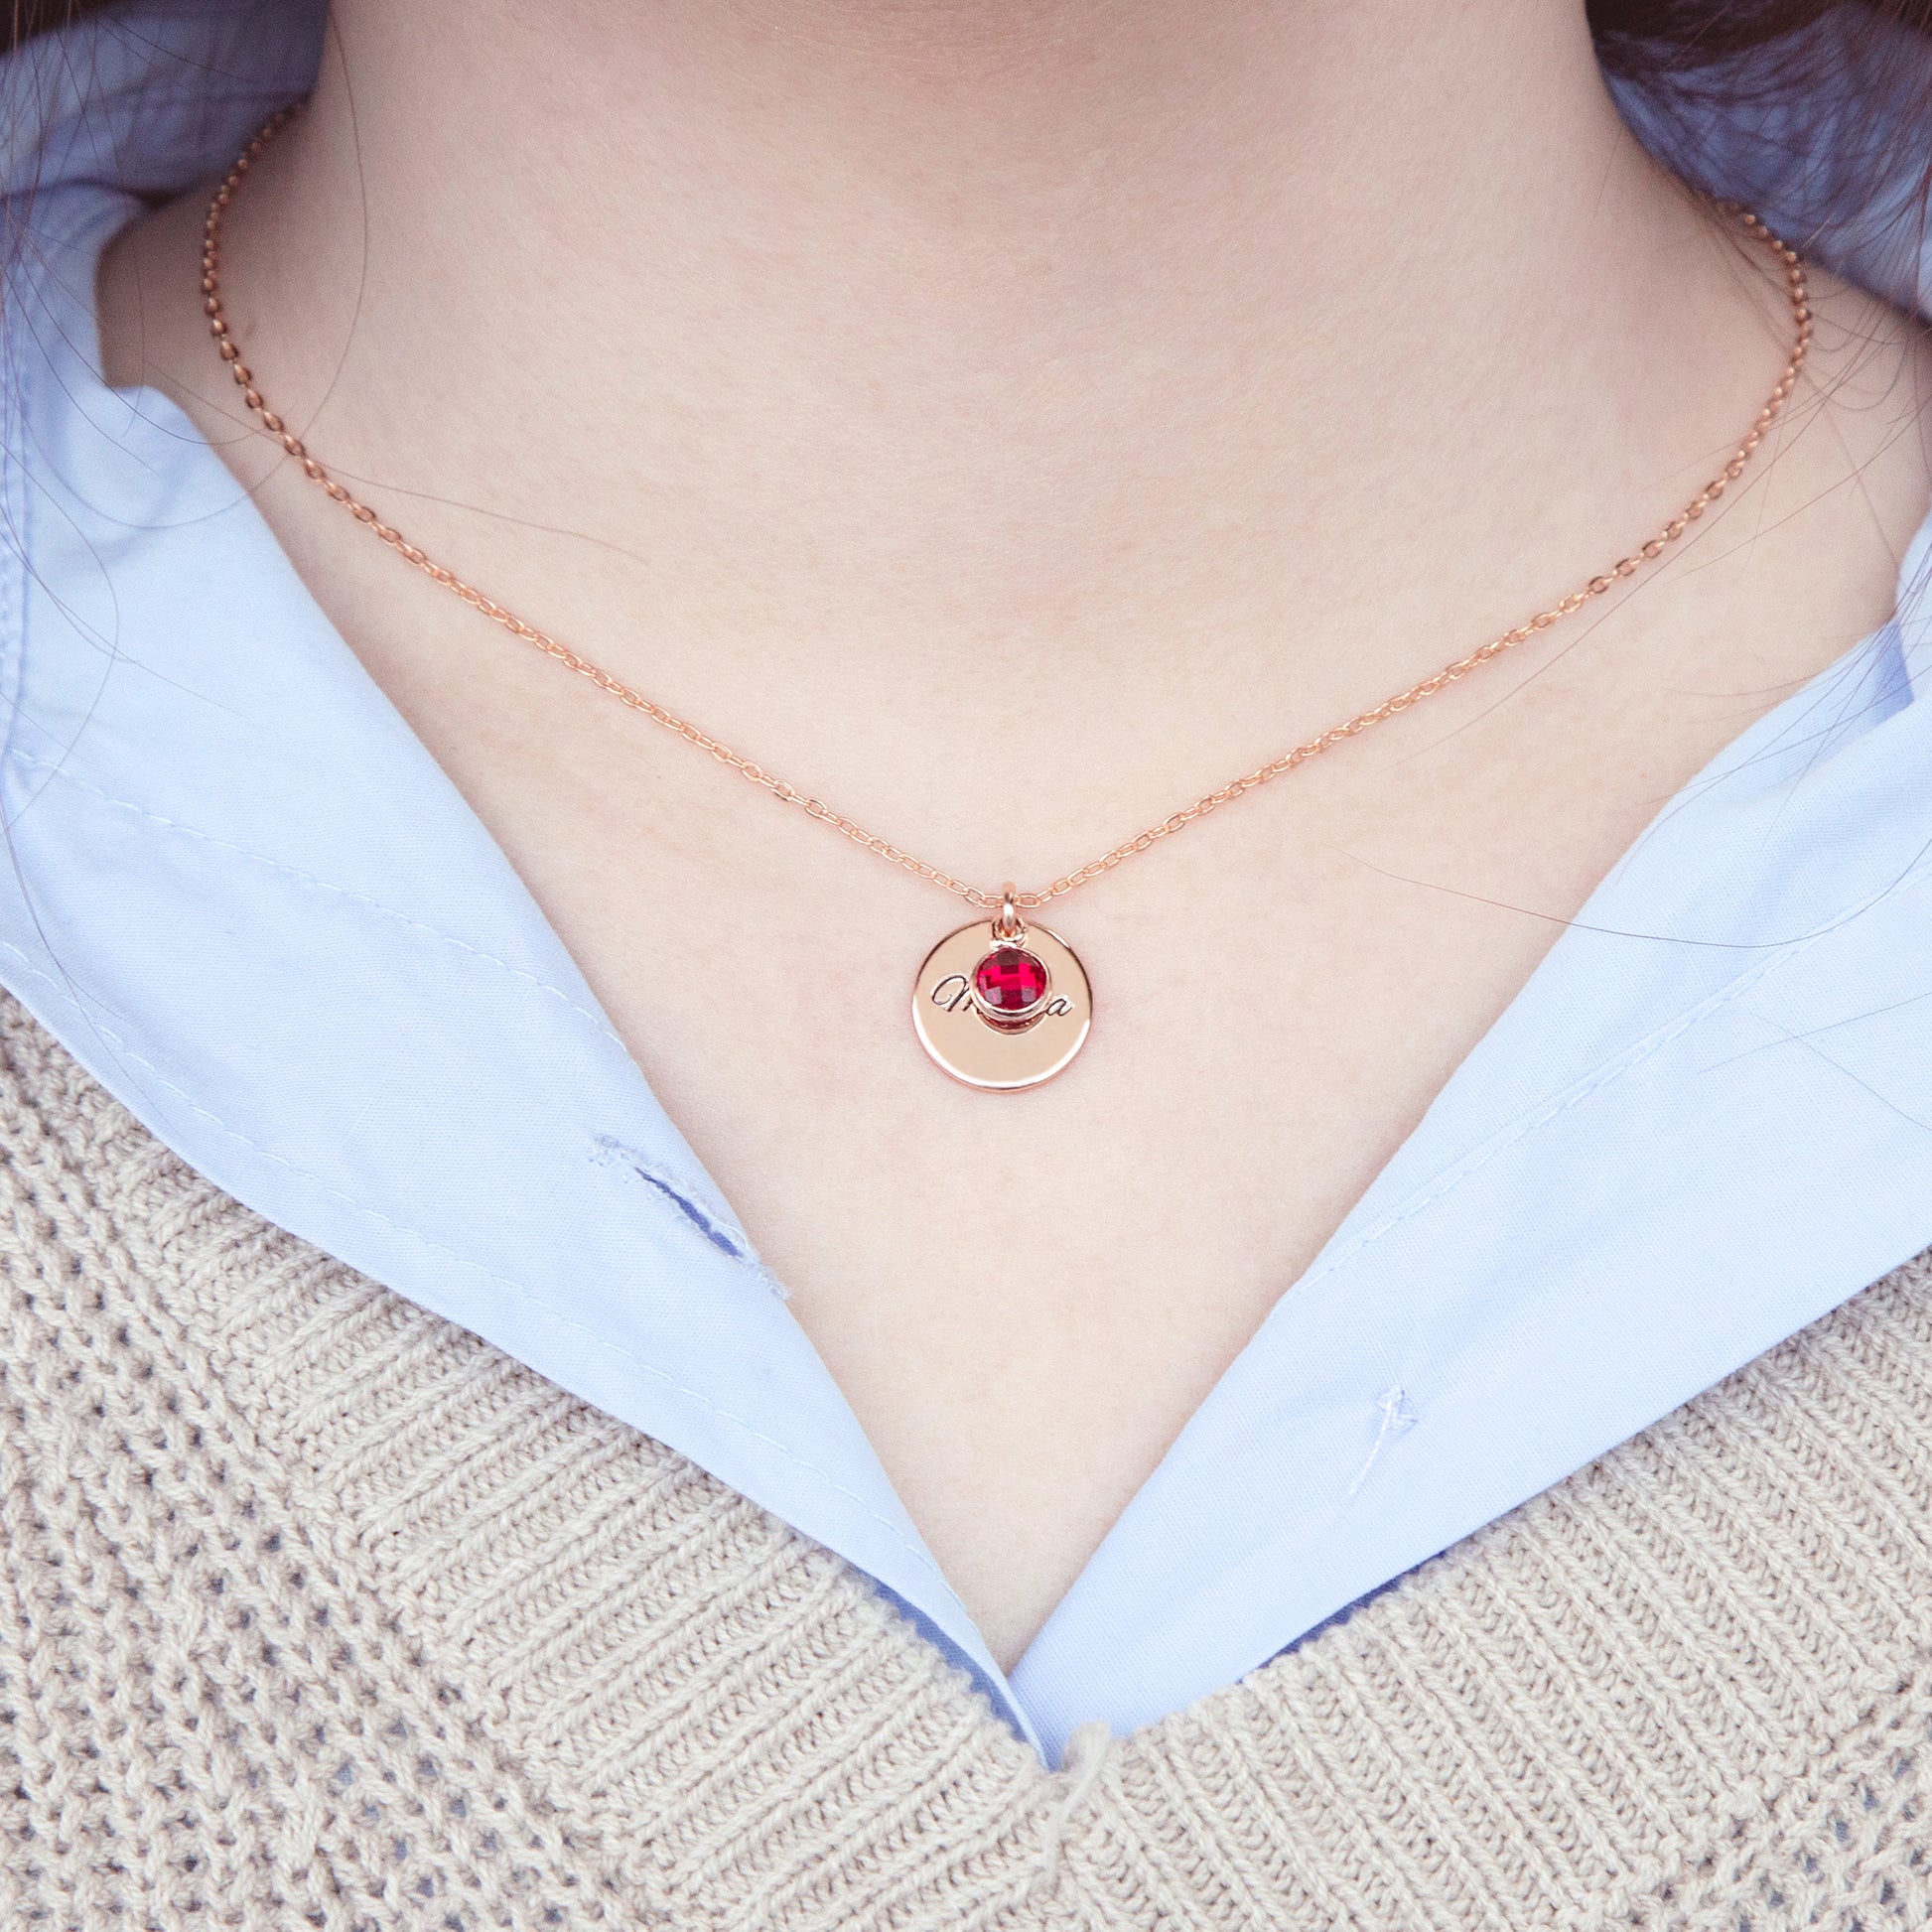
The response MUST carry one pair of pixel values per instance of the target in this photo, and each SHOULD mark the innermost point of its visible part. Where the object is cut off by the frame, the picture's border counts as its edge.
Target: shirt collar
(245, 898)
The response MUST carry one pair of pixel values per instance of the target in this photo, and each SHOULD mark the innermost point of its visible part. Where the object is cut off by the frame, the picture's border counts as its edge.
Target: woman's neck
(1031, 332)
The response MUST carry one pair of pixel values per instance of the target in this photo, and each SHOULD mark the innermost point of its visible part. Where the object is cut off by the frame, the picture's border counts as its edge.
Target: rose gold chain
(1644, 554)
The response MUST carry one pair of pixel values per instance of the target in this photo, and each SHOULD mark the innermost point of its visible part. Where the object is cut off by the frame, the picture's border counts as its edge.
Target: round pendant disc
(961, 998)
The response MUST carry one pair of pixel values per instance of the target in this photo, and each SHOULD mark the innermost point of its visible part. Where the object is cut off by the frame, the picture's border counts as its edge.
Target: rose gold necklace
(998, 1003)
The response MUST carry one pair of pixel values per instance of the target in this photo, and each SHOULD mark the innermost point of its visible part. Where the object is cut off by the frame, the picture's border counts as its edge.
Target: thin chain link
(789, 794)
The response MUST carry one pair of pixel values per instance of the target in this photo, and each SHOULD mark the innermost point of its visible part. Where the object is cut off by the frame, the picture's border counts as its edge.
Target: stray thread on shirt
(1398, 1417)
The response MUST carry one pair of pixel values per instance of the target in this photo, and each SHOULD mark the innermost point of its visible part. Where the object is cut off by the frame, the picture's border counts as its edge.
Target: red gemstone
(1010, 980)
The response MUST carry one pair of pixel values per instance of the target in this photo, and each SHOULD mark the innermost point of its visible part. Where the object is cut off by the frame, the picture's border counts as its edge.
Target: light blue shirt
(245, 898)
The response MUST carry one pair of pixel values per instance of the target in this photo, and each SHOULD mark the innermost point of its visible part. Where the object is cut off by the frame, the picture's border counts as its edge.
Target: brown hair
(1636, 36)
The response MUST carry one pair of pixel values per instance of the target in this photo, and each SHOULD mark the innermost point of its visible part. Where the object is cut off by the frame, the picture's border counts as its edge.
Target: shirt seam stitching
(1538, 1119)
(58, 771)
(15, 541)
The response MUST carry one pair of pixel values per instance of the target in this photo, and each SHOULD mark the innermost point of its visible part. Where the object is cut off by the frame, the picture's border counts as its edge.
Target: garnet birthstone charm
(1009, 985)
(1001, 1005)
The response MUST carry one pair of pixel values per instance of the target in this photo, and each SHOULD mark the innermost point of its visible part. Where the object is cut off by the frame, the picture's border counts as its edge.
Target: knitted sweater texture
(318, 1611)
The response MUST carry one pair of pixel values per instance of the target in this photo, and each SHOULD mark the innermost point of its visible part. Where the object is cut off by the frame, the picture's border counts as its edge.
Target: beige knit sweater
(318, 1611)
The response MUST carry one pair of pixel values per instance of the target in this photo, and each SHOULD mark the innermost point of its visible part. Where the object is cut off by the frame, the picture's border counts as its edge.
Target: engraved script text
(954, 992)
